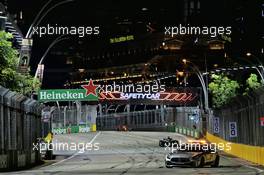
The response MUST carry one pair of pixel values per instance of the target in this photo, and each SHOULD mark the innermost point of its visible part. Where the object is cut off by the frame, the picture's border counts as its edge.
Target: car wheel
(196, 163)
(167, 166)
(216, 162)
(48, 155)
(201, 162)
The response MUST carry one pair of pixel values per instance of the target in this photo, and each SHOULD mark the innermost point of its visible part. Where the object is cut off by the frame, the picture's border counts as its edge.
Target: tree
(9, 77)
(252, 83)
(222, 89)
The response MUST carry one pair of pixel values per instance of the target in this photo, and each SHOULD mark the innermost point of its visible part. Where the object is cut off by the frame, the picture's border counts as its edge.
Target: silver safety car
(193, 154)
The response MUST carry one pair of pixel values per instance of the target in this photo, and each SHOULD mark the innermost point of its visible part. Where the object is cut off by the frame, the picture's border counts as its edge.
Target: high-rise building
(248, 27)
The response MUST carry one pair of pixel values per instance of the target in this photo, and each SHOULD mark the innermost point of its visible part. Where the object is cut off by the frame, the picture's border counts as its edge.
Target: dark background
(121, 18)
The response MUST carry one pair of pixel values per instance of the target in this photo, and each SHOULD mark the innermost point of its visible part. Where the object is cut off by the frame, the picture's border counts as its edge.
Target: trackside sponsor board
(71, 129)
(65, 95)
(86, 93)
(154, 93)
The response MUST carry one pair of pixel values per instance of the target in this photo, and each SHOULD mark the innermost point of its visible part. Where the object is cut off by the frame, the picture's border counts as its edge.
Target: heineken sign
(142, 93)
(87, 93)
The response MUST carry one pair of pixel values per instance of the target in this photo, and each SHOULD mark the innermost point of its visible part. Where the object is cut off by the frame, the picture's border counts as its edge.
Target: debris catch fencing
(20, 126)
(241, 121)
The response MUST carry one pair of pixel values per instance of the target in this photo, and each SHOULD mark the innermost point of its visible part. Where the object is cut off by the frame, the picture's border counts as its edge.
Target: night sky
(121, 18)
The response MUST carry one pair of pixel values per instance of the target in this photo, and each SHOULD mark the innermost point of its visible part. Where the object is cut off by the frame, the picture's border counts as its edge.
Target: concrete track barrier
(253, 154)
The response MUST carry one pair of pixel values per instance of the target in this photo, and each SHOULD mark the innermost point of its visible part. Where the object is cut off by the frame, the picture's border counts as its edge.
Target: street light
(260, 72)
(248, 54)
(200, 76)
(257, 59)
(27, 41)
(58, 39)
(36, 18)
(36, 21)
(184, 61)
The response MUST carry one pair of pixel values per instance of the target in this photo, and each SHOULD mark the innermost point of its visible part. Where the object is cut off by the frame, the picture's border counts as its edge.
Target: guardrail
(251, 153)
(182, 120)
(63, 119)
(137, 120)
(20, 126)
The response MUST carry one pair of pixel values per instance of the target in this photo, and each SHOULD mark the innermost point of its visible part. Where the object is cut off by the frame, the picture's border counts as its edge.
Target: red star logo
(90, 88)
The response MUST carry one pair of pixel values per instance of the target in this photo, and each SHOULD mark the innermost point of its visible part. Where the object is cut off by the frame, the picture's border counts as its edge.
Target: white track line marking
(75, 154)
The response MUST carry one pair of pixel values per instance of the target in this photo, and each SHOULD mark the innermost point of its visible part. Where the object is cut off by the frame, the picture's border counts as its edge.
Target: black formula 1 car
(192, 155)
(168, 142)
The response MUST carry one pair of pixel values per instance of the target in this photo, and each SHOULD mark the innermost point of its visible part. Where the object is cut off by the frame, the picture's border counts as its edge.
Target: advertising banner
(150, 94)
(71, 129)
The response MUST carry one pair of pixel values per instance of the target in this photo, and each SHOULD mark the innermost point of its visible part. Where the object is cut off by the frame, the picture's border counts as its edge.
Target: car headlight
(168, 157)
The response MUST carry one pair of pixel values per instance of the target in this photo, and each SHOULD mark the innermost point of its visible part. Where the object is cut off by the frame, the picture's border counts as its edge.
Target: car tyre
(216, 162)
(196, 164)
(167, 166)
(201, 162)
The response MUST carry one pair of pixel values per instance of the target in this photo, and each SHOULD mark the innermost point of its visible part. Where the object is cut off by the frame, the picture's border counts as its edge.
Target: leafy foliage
(252, 83)
(222, 89)
(9, 77)
(8, 55)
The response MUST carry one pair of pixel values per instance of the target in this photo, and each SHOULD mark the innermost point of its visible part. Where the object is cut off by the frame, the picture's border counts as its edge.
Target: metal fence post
(64, 116)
